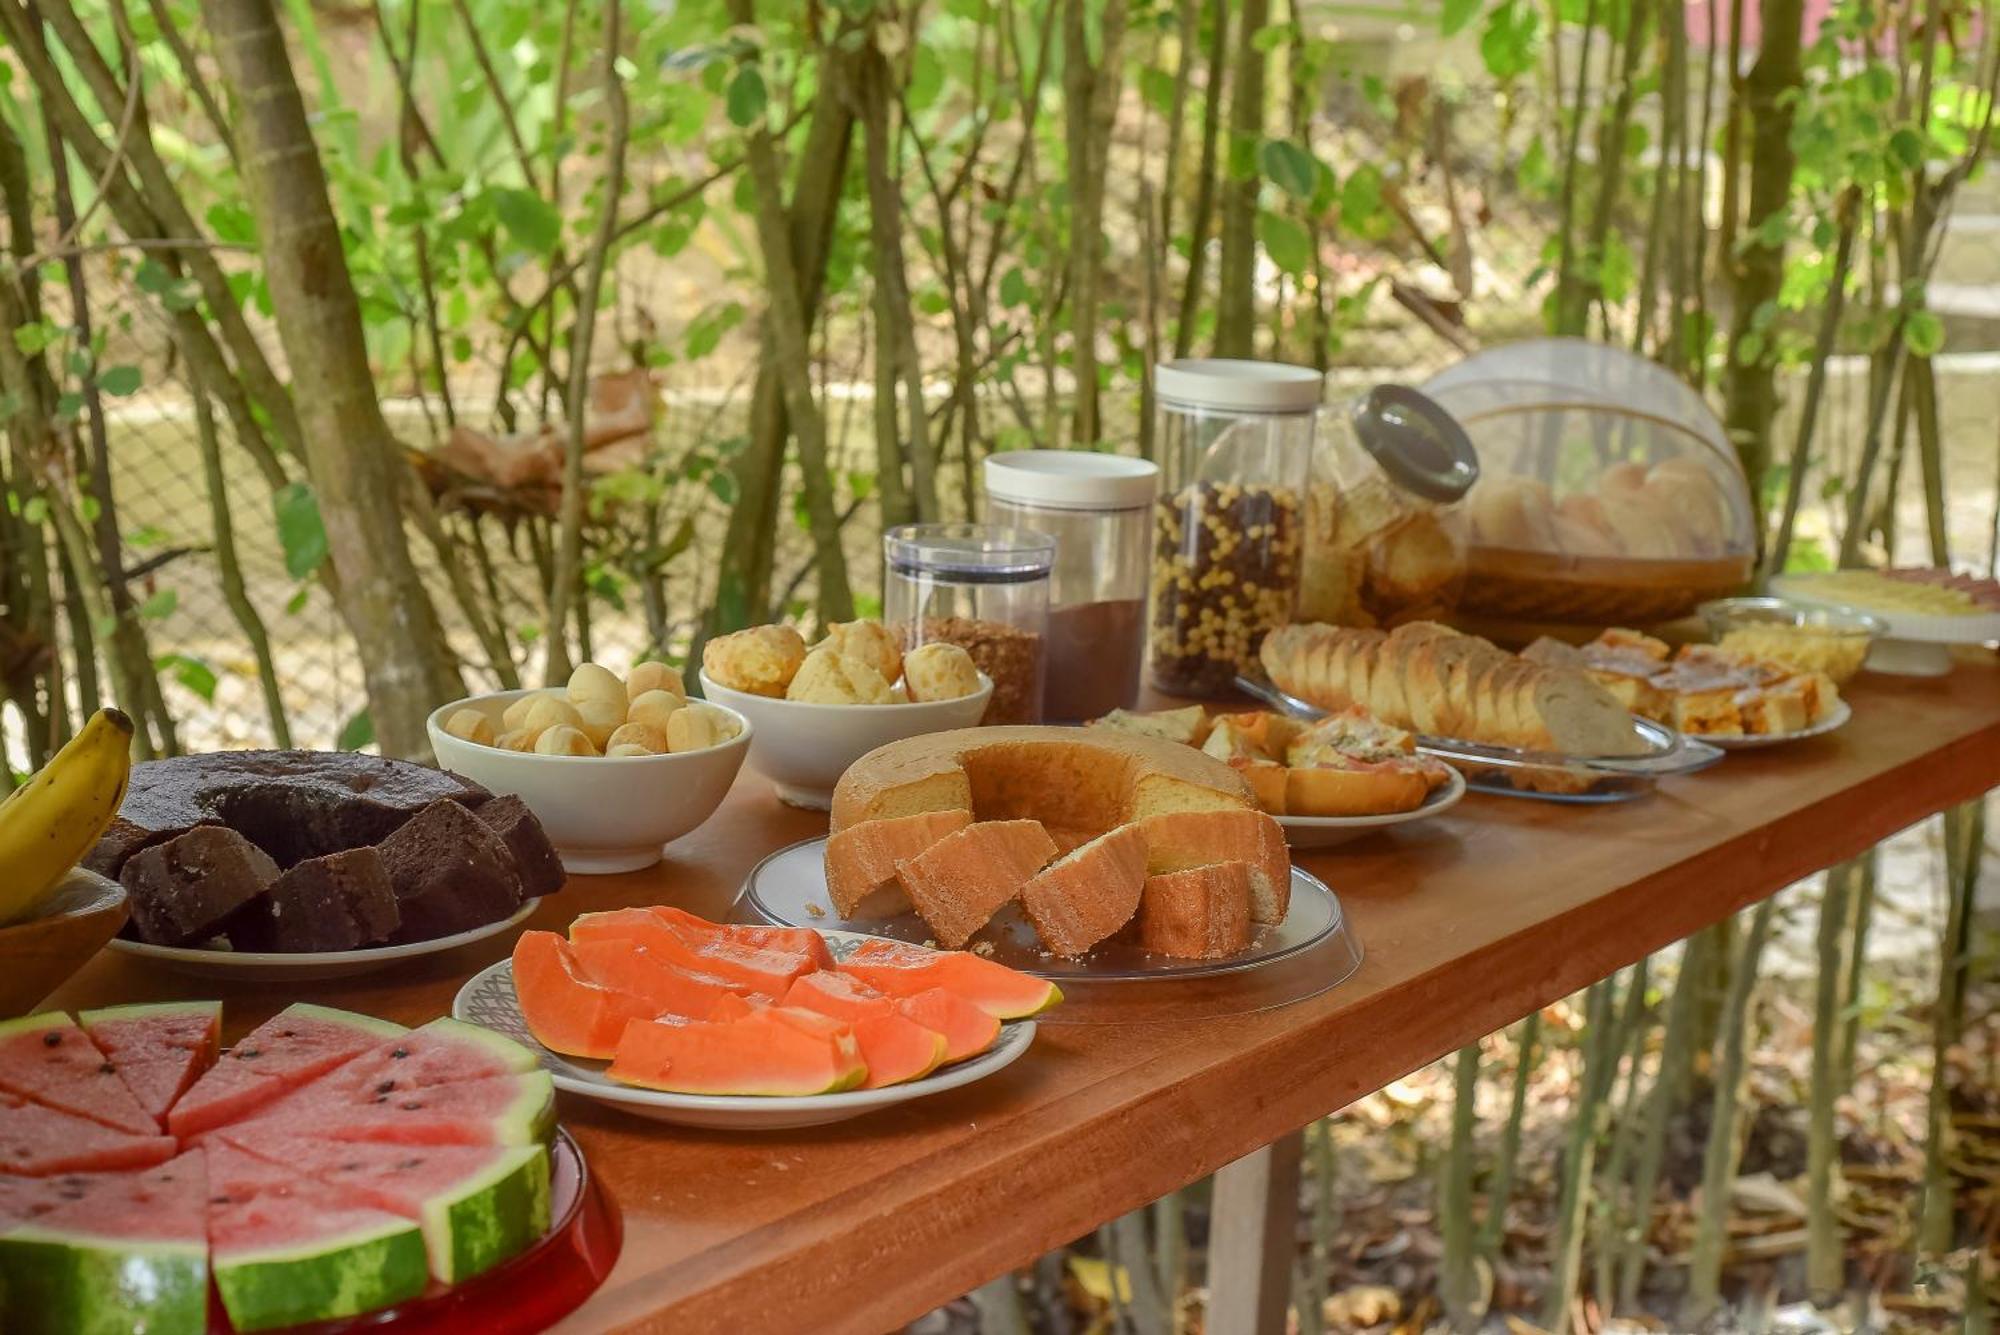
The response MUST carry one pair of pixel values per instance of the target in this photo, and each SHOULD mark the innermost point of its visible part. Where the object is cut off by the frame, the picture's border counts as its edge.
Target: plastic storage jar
(1098, 508)
(1235, 445)
(984, 588)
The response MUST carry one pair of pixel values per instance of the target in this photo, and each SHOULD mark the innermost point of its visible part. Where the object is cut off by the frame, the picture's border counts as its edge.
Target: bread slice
(1582, 718)
(1200, 913)
(1186, 726)
(962, 880)
(1085, 896)
(1188, 839)
(861, 859)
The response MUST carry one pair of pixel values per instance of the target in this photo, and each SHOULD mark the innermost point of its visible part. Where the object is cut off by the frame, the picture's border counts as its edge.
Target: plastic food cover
(1608, 490)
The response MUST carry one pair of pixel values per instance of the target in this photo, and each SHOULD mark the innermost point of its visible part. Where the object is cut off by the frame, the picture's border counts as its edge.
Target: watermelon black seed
(385, 1087)
(52, 1039)
(288, 1033)
(400, 1053)
(219, 1200)
(412, 1106)
(107, 1068)
(381, 1098)
(411, 1163)
(245, 1054)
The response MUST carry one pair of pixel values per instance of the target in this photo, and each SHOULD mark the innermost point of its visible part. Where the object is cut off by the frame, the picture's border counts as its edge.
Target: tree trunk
(1749, 388)
(352, 458)
(1236, 300)
(1217, 19)
(1090, 97)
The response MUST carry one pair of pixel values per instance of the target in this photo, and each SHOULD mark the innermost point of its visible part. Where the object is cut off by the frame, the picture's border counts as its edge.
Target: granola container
(984, 588)
(1235, 449)
(1099, 509)
(1386, 533)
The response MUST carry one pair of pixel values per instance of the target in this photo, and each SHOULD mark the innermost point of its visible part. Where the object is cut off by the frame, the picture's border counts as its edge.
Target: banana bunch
(52, 820)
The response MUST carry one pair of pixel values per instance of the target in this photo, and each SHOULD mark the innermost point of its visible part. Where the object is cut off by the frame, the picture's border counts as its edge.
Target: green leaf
(159, 606)
(1157, 87)
(1456, 14)
(1924, 333)
(297, 602)
(529, 219)
(359, 732)
(747, 96)
(190, 672)
(1287, 243)
(31, 339)
(1906, 146)
(120, 381)
(1289, 167)
(300, 532)
(1014, 288)
(146, 535)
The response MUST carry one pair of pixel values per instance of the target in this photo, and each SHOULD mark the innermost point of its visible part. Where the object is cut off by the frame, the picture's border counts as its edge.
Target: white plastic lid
(1072, 479)
(1238, 386)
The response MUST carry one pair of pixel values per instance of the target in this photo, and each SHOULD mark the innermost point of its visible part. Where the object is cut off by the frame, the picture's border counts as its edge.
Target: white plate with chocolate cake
(294, 865)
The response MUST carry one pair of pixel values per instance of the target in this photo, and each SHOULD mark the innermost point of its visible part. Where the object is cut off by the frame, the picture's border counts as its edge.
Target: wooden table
(1469, 922)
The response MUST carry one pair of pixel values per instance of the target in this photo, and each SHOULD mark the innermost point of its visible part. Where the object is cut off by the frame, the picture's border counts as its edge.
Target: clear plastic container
(1098, 508)
(1235, 448)
(984, 588)
(1385, 533)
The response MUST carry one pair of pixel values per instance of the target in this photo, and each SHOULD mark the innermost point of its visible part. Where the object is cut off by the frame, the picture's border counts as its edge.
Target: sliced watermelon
(498, 1110)
(903, 970)
(795, 940)
(564, 1010)
(159, 1049)
(439, 1053)
(292, 1048)
(131, 1254)
(47, 1059)
(41, 1142)
(767, 972)
(774, 1050)
(292, 1250)
(477, 1205)
(895, 1047)
(627, 966)
(968, 1030)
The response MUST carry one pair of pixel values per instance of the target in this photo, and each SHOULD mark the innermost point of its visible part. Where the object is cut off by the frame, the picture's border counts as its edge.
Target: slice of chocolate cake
(534, 856)
(341, 901)
(183, 889)
(451, 872)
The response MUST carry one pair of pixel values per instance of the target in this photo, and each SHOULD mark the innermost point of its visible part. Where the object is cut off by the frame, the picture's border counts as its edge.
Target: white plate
(270, 966)
(1839, 715)
(1330, 831)
(488, 999)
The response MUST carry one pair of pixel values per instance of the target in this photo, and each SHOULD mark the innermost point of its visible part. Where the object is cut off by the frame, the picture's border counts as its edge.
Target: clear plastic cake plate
(1313, 949)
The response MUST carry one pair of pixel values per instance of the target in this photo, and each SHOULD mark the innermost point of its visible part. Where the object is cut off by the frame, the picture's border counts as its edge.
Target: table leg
(1253, 1240)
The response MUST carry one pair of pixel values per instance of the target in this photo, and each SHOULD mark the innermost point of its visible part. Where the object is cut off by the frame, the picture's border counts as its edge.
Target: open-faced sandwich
(1703, 690)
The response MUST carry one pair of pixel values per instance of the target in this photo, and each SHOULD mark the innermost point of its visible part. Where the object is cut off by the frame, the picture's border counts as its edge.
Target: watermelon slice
(40, 1142)
(47, 1059)
(765, 971)
(626, 966)
(286, 1248)
(159, 1049)
(796, 940)
(968, 1030)
(498, 1110)
(439, 1053)
(895, 1047)
(564, 1010)
(293, 1047)
(774, 1050)
(904, 970)
(477, 1205)
(131, 1254)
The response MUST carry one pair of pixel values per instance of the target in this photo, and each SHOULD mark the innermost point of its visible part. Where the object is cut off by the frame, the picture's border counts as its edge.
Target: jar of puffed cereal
(1235, 451)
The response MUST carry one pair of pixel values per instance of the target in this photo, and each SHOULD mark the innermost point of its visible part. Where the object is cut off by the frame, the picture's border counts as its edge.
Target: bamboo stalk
(1825, 1241)
(1325, 1207)
(1217, 17)
(1662, 1098)
(1170, 1251)
(1493, 1228)
(1847, 214)
(1570, 311)
(1236, 297)
(1579, 1157)
(1458, 1281)
(1629, 1041)
(1862, 910)
(892, 312)
(1148, 1309)
(1725, 1133)
(1964, 843)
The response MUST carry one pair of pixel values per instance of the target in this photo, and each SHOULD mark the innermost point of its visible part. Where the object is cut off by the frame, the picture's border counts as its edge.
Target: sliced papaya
(766, 1053)
(767, 972)
(626, 966)
(566, 1011)
(967, 1030)
(791, 940)
(895, 1046)
(904, 970)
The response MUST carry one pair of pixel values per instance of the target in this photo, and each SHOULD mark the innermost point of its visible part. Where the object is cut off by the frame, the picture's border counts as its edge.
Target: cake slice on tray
(1185, 840)
(962, 880)
(861, 860)
(1199, 913)
(1086, 895)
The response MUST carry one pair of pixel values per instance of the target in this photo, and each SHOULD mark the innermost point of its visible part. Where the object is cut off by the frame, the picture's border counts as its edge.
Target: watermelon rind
(139, 1010)
(28, 1024)
(333, 1276)
(489, 1218)
(69, 1282)
(514, 1056)
(351, 1019)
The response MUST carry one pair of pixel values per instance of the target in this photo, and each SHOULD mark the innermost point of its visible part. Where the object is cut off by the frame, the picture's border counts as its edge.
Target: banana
(52, 820)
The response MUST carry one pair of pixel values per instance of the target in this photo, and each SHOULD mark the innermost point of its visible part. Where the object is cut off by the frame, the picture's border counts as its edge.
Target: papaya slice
(967, 1030)
(766, 1053)
(626, 966)
(791, 940)
(767, 972)
(904, 970)
(565, 1011)
(894, 1044)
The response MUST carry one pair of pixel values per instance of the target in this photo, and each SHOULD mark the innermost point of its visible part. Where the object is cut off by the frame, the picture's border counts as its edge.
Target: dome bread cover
(1607, 488)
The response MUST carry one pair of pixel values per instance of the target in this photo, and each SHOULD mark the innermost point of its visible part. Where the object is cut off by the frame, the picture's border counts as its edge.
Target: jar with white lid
(1098, 509)
(982, 587)
(1235, 443)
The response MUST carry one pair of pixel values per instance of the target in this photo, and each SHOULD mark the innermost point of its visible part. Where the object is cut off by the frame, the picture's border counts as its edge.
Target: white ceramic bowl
(804, 748)
(603, 813)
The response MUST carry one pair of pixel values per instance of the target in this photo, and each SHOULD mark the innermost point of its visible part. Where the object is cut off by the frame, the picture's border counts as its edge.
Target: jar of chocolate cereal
(1235, 450)
(984, 588)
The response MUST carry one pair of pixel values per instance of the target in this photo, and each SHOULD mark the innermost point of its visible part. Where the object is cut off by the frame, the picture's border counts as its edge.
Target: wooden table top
(1469, 921)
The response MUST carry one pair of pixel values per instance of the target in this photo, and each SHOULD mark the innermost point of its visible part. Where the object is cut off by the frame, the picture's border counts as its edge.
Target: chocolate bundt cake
(292, 851)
